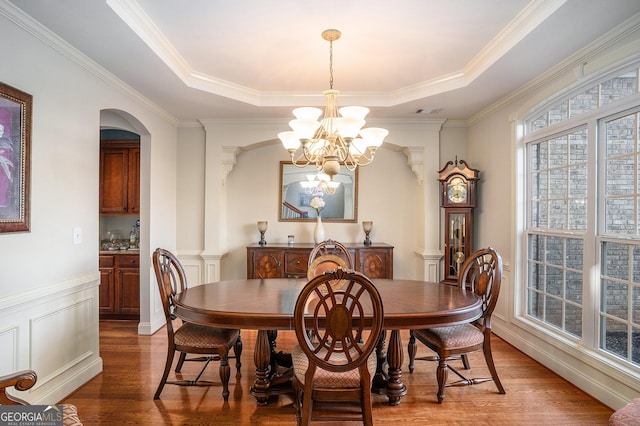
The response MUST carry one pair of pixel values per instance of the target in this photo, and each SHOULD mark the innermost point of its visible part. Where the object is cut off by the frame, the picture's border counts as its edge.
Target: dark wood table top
(265, 304)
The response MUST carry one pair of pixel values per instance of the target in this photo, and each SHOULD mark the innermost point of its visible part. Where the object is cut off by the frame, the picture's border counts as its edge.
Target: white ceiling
(258, 58)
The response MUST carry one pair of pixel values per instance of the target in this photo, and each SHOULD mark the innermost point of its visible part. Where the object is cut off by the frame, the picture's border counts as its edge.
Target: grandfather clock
(458, 199)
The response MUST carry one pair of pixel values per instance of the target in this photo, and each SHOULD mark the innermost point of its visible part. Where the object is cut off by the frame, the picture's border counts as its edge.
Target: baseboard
(67, 385)
(579, 373)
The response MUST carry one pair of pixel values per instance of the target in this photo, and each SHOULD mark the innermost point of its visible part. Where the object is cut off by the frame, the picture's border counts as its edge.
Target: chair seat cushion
(454, 337)
(629, 415)
(199, 336)
(70, 415)
(328, 379)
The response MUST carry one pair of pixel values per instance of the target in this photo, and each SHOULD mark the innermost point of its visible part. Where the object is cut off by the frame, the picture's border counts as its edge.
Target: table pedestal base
(273, 370)
(390, 383)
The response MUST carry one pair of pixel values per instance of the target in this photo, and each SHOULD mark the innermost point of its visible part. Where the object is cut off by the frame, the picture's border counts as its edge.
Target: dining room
(543, 106)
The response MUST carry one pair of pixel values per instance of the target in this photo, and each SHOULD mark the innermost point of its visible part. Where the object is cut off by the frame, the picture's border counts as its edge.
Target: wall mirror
(299, 185)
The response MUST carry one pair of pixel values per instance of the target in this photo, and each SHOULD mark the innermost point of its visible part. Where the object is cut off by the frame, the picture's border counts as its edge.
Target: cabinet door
(114, 169)
(133, 182)
(268, 264)
(129, 291)
(375, 263)
(107, 293)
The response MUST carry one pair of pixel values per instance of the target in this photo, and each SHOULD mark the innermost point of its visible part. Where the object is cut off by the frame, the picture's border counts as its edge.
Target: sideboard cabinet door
(266, 264)
(375, 263)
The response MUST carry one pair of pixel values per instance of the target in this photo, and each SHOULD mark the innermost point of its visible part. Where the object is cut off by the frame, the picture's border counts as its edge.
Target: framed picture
(15, 159)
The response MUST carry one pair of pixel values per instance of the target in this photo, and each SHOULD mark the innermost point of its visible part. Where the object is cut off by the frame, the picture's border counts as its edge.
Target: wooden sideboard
(285, 261)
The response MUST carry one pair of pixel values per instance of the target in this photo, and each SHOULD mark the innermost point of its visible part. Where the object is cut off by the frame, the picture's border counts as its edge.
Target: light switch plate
(77, 235)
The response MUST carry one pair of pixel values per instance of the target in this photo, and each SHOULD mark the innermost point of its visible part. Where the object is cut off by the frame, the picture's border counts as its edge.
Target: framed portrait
(15, 159)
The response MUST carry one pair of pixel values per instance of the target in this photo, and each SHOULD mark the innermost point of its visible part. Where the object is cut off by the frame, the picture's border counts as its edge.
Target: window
(568, 211)
(620, 246)
(558, 194)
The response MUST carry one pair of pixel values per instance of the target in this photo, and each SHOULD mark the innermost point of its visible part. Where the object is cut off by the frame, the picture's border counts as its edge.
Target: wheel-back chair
(328, 255)
(211, 344)
(481, 274)
(344, 311)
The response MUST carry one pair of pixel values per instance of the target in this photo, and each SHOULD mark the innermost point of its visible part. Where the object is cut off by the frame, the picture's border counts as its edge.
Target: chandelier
(319, 184)
(338, 138)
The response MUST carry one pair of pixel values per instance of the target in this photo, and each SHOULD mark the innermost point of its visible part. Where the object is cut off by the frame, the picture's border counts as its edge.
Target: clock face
(457, 190)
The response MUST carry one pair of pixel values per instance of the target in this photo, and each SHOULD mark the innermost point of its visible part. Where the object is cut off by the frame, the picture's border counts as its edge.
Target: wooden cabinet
(119, 177)
(119, 286)
(285, 261)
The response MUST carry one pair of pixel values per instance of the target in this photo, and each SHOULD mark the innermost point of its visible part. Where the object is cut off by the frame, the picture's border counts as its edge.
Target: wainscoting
(54, 332)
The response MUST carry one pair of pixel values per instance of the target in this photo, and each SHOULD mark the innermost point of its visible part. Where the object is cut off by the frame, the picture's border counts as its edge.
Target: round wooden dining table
(267, 305)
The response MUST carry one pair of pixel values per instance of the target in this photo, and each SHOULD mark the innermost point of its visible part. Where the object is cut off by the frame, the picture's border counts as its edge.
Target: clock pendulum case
(457, 199)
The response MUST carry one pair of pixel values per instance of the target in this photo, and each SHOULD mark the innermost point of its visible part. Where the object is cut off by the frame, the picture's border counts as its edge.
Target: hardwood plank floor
(133, 364)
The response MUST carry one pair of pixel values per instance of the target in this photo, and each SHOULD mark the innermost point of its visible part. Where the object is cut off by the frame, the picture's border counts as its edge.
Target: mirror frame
(312, 169)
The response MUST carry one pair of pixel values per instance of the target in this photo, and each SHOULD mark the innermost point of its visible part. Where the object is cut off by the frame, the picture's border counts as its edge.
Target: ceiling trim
(534, 14)
(573, 64)
(37, 30)
(524, 23)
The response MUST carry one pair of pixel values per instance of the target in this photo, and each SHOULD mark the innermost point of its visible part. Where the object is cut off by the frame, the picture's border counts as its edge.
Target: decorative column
(219, 161)
(424, 162)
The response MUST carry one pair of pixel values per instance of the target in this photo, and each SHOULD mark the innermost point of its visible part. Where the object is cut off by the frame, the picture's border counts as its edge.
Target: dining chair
(24, 380)
(209, 343)
(326, 255)
(338, 363)
(481, 274)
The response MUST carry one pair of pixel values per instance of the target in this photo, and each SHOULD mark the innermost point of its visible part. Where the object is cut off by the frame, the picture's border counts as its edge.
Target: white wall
(386, 195)
(398, 191)
(48, 285)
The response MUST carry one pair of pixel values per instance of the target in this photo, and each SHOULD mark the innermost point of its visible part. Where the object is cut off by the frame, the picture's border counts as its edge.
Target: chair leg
(307, 406)
(412, 349)
(183, 356)
(365, 401)
(442, 373)
(225, 374)
(167, 368)
(465, 361)
(237, 351)
(488, 357)
(297, 399)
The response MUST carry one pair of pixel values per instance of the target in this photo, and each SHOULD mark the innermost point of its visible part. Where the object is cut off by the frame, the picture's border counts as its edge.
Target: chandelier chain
(330, 64)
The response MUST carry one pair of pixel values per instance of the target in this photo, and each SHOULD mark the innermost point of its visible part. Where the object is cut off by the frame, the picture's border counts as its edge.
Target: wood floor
(123, 392)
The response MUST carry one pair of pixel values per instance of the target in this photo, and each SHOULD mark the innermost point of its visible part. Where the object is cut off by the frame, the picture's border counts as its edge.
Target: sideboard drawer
(295, 264)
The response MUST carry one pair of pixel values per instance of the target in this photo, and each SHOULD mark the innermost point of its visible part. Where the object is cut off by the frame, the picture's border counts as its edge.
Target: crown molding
(534, 14)
(526, 21)
(568, 66)
(37, 30)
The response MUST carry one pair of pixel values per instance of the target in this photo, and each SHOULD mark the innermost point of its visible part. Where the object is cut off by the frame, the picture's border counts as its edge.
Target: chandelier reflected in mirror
(338, 138)
(319, 184)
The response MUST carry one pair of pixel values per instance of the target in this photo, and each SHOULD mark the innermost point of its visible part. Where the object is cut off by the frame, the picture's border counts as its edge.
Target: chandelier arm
(301, 161)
